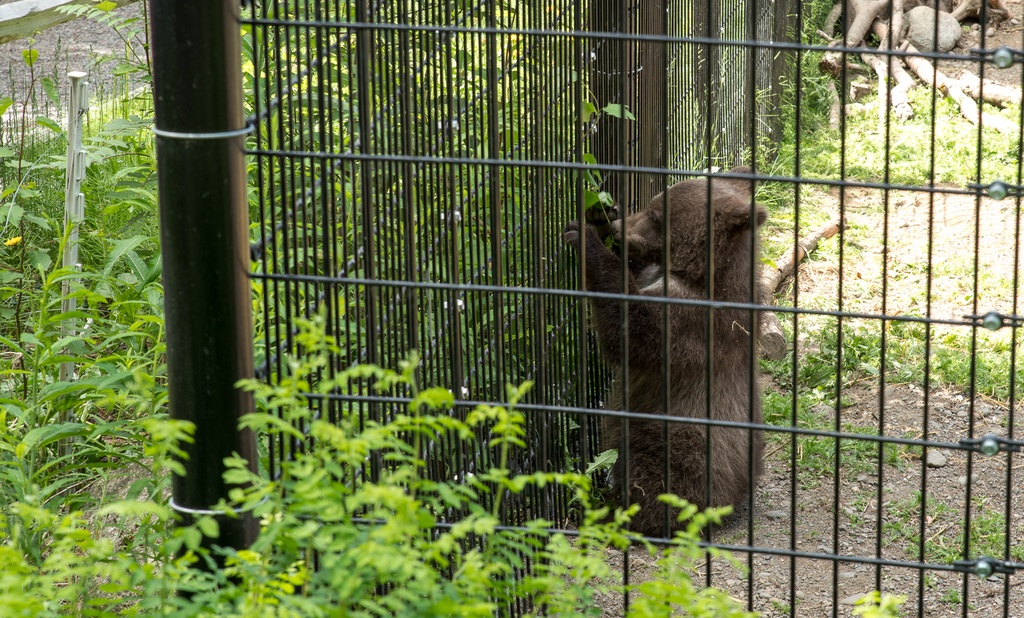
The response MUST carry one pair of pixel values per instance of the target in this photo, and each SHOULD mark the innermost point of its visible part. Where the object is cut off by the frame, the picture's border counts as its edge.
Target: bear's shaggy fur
(735, 391)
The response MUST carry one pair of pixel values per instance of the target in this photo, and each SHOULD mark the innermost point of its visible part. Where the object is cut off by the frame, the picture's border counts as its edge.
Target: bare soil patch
(78, 45)
(861, 533)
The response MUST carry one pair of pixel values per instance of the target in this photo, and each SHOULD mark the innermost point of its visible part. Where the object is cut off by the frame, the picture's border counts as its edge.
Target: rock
(776, 515)
(853, 598)
(991, 32)
(963, 479)
(823, 409)
(1014, 21)
(847, 575)
(921, 21)
(858, 89)
(936, 458)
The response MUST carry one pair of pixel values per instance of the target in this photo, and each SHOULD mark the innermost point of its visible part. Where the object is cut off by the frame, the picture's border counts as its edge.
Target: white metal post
(74, 200)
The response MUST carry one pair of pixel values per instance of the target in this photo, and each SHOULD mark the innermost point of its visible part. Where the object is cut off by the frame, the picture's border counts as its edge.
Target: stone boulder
(921, 29)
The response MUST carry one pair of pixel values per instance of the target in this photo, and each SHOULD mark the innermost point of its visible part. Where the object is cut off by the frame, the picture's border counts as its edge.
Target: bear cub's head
(685, 227)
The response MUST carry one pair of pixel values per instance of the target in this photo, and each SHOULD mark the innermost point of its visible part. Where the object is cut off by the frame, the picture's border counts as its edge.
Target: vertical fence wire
(344, 224)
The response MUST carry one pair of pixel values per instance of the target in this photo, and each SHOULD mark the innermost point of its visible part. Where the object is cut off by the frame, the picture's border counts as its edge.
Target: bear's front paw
(571, 234)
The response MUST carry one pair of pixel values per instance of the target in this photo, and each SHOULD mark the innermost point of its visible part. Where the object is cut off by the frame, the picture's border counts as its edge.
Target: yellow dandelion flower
(13, 241)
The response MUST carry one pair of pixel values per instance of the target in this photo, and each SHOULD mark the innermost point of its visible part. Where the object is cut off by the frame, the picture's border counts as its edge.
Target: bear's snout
(641, 240)
(615, 230)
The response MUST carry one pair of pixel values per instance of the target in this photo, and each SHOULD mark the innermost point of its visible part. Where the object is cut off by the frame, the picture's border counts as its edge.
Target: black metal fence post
(203, 230)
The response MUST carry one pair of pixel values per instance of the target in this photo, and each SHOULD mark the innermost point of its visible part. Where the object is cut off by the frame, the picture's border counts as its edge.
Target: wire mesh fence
(420, 166)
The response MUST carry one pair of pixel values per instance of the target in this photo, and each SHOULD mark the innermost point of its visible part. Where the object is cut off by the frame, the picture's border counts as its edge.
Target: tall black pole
(200, 136)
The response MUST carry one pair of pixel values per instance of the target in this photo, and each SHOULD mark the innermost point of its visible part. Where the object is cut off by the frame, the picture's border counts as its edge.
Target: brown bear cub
(735, 392)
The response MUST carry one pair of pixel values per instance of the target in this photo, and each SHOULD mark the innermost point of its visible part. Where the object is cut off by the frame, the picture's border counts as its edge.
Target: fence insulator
(1003, 57)
(991, 445)
(997, 190)
(993, 320)
(986, 566)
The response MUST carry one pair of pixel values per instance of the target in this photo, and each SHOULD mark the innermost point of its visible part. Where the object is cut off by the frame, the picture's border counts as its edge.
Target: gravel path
(78, 45)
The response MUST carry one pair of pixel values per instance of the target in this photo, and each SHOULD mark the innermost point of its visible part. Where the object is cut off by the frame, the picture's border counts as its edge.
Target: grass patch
(944, 542)
(816, 455)
(855, 353)
(951, 596)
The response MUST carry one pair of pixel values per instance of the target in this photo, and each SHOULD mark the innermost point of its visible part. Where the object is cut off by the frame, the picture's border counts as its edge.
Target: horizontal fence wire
(416, 164)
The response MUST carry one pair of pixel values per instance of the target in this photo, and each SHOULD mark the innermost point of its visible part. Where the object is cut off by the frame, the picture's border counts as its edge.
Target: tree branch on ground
(994, 93)
(835, 111)
(772, 275)
(830, 22)
(897, 27)
(860, 14)
(772, 339)
(969, 109)
(898, 99)
(894, 81)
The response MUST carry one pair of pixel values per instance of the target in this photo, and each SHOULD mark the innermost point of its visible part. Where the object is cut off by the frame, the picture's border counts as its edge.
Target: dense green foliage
(375, 543)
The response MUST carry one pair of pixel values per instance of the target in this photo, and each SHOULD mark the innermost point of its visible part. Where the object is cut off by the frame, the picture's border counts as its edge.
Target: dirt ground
(819, 578)
(78, 45)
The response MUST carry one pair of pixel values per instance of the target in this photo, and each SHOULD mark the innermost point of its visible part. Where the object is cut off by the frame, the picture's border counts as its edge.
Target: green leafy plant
(121, 558)
(877, 605)
(81, 390)
(672, 590)
(359, 500)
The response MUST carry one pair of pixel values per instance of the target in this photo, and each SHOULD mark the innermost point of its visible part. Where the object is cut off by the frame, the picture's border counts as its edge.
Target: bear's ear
(734, 216)
(762, 214)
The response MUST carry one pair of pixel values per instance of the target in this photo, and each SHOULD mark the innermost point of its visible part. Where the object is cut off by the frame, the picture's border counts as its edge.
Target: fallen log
(772, 339)
(951, 88)
(772, 275)
(866, 12)
(972, 8)
(993, 92)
